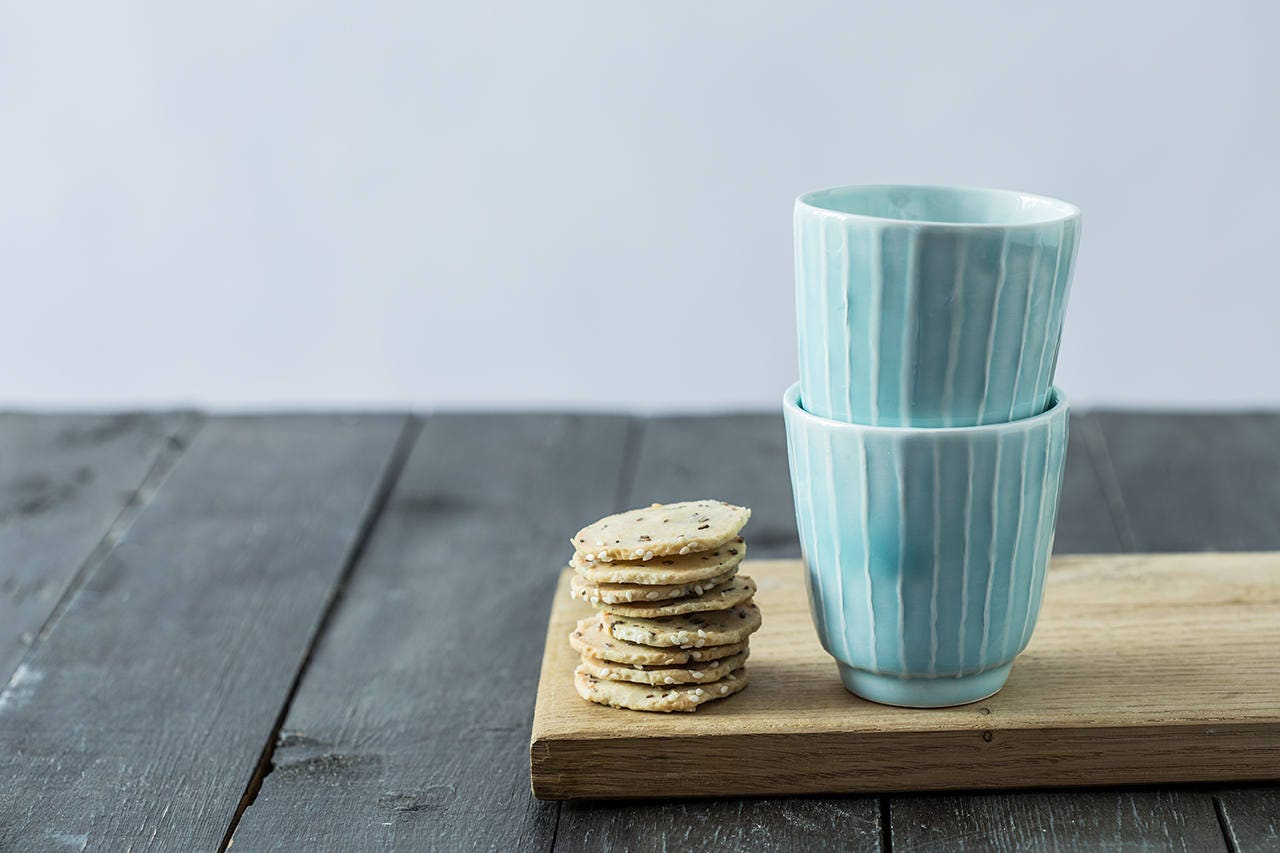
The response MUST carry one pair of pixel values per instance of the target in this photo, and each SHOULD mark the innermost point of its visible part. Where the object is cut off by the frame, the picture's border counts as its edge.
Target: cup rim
(1058, 407)
(1064, 210)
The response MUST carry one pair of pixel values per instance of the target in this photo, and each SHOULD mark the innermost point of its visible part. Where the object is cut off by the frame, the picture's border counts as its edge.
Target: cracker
(661, 529)
(590, 638)
(669, 570)
(694, 673)
(617, 593)
(737, 591)
(646, 697)
(692, 630)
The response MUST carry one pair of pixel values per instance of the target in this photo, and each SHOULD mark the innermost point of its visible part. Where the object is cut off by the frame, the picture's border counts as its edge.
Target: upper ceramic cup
(930, 306)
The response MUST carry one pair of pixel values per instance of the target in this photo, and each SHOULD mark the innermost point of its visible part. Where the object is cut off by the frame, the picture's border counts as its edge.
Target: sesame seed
(723, 690)
(700, 691)
(685, 550)
(702, 633)
(697, 590)
(700, 643)
(591, 558)
(696, 673)
(696, 655)
(600, 542)
(648, 555)
(668, 680)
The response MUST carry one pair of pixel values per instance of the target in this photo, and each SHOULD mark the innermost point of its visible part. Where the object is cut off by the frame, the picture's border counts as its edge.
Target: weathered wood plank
(410, 727)
(1205, 482)
(742, 459)
(67, 486)
(139, 720)
(1064, 820)
(798, 823)
(1128, 820)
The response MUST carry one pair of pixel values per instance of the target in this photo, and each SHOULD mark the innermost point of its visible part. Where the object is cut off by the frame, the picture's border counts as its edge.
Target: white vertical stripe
(1017, 541)
(866, 541)
(1022, 332)
(964, 560)
(1048, 318)
(1040, 533)
(902, 564)
(991, 555)
(937, 558)
(909, 332)
(847, 343)
(954, 333)
(877, 297)
(827, 379)
(1050, 339)
(991, 334)
(837, 561)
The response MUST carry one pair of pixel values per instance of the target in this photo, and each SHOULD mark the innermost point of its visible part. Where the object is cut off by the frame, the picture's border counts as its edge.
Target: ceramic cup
(925, 549)
(930, 306)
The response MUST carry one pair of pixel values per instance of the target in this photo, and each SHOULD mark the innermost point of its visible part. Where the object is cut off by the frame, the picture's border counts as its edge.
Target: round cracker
(646, 697)
(735, 592)
(668, 570)
(661, 529)
(692, 630)
(698, 673)
(617, 593)
(590, 637)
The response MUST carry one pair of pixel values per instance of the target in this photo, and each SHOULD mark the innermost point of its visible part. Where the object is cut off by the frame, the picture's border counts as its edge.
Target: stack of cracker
(674, 615)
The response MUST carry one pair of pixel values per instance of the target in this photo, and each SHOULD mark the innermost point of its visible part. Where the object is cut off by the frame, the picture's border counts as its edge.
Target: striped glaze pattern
(911, 323)
(926, 549)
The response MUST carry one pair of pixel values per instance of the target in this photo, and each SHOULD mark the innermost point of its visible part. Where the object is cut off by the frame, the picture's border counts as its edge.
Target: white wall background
(588, 204)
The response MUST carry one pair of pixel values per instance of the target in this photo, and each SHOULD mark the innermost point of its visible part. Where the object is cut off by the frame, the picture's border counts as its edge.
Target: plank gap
(386, 485)
(1095, 443)
(1225, 824)
(174, 446)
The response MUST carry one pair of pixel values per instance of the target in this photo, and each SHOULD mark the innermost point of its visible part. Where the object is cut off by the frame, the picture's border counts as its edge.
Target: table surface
(323, 631)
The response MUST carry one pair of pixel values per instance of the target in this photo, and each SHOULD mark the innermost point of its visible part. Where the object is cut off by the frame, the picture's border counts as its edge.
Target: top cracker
(660, 530)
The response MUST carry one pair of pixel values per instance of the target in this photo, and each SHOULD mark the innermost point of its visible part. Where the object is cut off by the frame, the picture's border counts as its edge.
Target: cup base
(940, 692)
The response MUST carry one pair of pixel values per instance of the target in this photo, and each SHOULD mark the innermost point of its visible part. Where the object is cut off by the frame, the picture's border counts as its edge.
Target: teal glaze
(925, 549)
(930, 306)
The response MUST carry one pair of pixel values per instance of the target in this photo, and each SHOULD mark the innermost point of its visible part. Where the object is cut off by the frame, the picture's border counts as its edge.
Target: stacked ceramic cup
(926, 438)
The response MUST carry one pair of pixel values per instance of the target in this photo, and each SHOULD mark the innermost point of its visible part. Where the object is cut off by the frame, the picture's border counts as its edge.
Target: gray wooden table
(323, 632)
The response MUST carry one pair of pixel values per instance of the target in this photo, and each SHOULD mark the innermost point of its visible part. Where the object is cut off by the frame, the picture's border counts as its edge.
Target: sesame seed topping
(700, 691)
(653, 596)
(700, 643)
(723, 690)
(668, 680)
(685, 550)
(648, 555)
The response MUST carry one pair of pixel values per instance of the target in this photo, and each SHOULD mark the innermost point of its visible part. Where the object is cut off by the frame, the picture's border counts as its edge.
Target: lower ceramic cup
(926, 549)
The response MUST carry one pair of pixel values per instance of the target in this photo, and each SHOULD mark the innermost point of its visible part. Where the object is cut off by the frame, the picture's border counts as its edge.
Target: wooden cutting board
(1143, 668)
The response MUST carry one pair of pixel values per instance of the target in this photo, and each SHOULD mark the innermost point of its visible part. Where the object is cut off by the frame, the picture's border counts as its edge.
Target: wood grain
(409, 728)
(68, 484)
(1144, 669)
(1204, 482)
(137, 723)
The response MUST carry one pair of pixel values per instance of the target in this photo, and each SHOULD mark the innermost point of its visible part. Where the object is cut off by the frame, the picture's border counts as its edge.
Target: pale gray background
(588, 204)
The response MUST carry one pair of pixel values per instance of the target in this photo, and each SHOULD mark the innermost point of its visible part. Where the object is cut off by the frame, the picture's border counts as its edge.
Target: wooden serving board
(1143, 668)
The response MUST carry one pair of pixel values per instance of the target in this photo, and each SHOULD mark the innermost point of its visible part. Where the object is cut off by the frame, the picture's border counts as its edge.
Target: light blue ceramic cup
(925, 549)
(930, 306)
